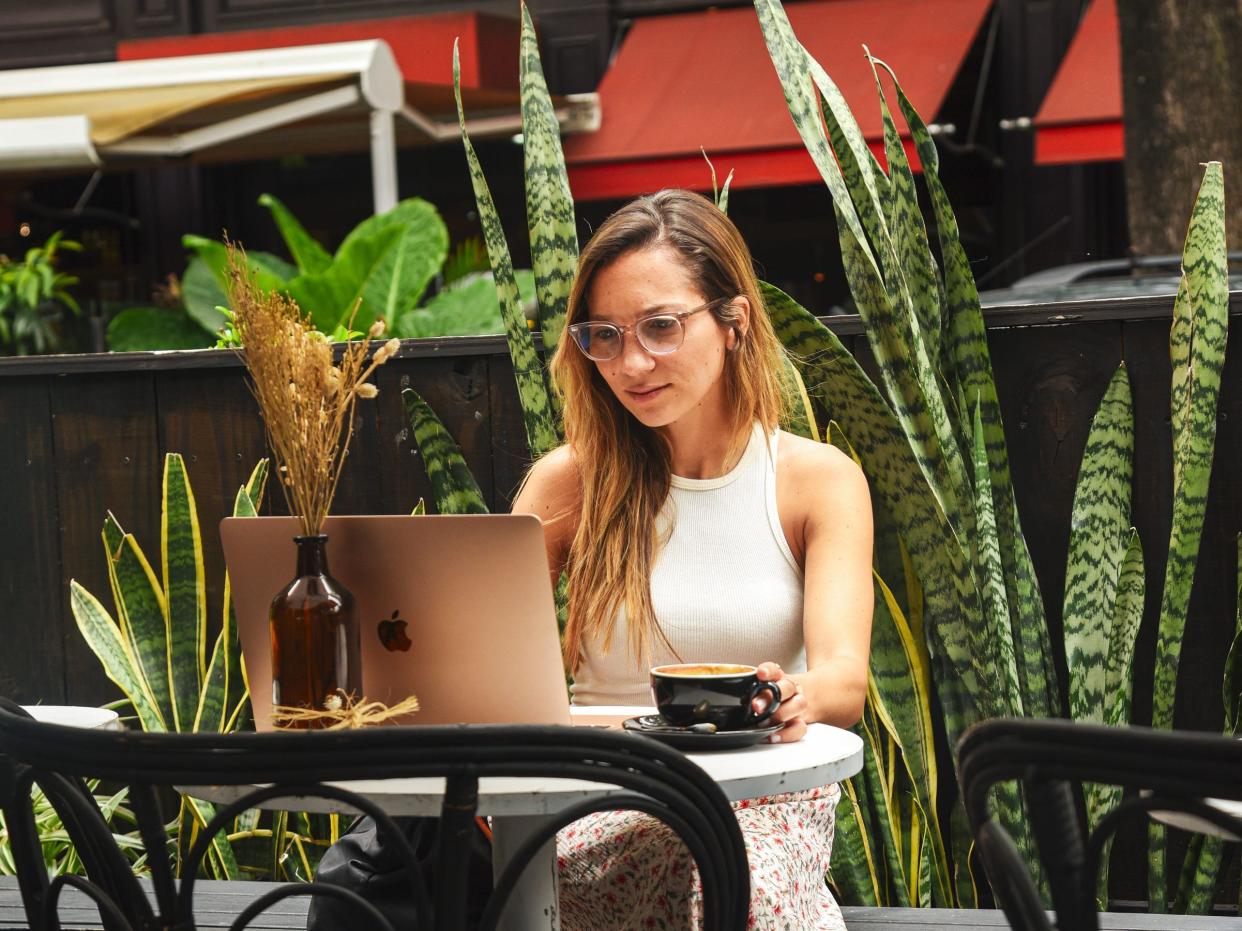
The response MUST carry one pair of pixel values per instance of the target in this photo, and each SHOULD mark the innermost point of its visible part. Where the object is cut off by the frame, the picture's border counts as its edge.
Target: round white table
(519, 805)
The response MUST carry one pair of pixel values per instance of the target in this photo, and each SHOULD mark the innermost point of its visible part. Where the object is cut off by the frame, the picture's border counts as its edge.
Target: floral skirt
(625, 870)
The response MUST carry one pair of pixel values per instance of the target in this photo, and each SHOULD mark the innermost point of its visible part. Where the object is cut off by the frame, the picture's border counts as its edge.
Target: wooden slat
(937, 919)
(106, 457)
(30, 547)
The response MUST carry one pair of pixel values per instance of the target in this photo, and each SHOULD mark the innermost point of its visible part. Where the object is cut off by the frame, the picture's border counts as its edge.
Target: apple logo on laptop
(392, 633)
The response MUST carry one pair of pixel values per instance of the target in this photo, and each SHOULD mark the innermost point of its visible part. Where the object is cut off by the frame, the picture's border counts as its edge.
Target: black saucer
(655, 727)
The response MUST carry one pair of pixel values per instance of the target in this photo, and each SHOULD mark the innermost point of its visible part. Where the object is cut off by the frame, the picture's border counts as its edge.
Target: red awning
(422, 46)
(1080, 120)
(705, 79)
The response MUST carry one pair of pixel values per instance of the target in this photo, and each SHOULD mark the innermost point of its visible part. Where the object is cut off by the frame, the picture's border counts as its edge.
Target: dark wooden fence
(83, 435)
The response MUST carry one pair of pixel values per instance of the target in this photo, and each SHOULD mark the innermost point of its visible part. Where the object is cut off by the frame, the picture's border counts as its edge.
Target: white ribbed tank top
(725, 586)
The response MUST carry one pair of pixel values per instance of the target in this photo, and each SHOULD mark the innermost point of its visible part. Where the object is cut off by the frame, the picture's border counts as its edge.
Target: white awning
(241, 105)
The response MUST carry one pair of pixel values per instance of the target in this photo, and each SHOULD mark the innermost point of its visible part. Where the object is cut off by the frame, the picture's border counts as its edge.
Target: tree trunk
(1182, 89)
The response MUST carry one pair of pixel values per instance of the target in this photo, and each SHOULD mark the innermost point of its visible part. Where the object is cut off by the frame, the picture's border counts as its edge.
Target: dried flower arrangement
(306, 400)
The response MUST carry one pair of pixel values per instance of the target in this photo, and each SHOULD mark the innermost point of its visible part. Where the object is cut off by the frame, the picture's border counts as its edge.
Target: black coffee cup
(713, 693)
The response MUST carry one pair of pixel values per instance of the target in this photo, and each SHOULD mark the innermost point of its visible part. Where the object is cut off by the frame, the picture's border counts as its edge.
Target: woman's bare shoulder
(553, 486)
(819, 468)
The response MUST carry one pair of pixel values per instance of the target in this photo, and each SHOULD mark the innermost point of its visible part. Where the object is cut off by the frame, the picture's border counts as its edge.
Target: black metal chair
(1052, 758)
(658, 780)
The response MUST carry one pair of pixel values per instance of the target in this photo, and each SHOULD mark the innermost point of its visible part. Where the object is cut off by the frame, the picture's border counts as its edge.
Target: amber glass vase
(316, 659)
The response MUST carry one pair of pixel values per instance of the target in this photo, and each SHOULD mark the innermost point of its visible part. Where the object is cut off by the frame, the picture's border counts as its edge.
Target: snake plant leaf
(309, 255)
(854, 871)
(801, 419)
(1196, 350)
(1127, 616)
(362, 268)
(455, 489)
(538, 415)
(185, 590)
(1231, 686)
(1100, 516)
(722, 199)
(549, 203)
(103, 636)
(210, 714)
(951, 602)
(971, 370)
(142, 614)
(905, 223)
(883, 799)
(901, 672)
(221, 861)
(991, 574)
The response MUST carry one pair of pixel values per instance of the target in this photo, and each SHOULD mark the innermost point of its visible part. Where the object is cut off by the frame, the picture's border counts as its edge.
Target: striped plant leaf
(1098, 538)
(854, 870)
(549, 203)
(971, 373)
(905, 223)
(142, 615)
(722, 199)
(185, 591)
(537, 411)
(901, 672)
(834, 378)
(237, 697)
(1198, 891)
(210, 714)
(990, 573)
(1127, 616)
(801, 412)
(454, 487)
(306, 251)
(103, 636)
(1196, 349)
(885, 822)
(221, 861)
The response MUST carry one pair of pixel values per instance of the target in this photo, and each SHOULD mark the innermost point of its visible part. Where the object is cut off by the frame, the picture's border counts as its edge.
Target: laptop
(455, 609)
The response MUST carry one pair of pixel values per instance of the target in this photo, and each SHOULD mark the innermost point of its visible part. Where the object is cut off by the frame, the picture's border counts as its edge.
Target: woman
(693, 529)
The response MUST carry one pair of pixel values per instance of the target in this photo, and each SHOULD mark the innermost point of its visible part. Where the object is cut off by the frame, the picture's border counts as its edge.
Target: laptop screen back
(456, 610)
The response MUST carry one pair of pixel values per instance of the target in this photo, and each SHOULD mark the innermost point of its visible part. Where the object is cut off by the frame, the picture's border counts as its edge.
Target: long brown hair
(625, 467)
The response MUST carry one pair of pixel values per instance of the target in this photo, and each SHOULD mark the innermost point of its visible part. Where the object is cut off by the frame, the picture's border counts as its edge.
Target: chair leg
(457, 827)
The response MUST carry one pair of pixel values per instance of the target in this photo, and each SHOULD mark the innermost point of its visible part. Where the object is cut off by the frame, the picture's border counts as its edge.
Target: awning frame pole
(383, 161)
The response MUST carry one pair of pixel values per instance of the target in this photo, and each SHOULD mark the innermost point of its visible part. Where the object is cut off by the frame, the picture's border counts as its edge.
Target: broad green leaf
(270, 271)
(549, 203)
(139, 329)
(1196, 349)
(202, 294)
(185, 589)
(306, 251)
(542, 433)
(361, 266)
(469, 308)
(104, 638)
(801, 411)
(1100, 516)
(455, 488)
(142, 614)
(412, 262)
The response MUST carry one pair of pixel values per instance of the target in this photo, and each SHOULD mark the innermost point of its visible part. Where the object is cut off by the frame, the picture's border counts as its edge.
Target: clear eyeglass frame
(657, 342)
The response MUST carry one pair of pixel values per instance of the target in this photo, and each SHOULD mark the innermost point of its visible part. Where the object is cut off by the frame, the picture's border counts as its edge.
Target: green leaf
(467, 309)
(1196, 349)
(142, 614)
(853, 870)
(141, 329)
(185, 590)
(362, 265)
(455, 489)
(1098, 536)
(203, 296)
(538, 415)
(270, 271)
(209, 716)
(221, 861)
(410, 264)
(104, 638)
(307, 253)
(549, 203)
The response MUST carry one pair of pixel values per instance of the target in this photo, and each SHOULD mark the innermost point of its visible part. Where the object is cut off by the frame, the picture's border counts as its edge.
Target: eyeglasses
(658, 334)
